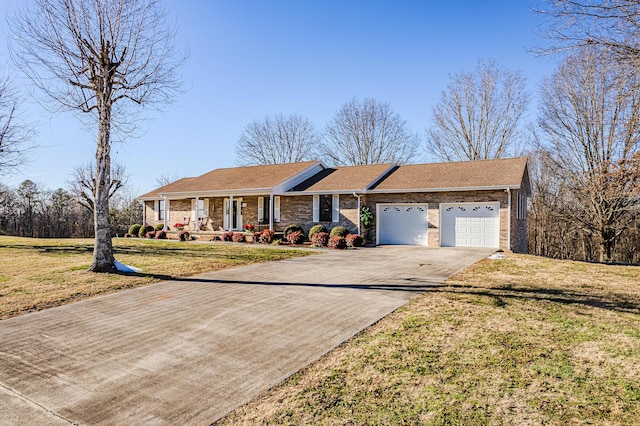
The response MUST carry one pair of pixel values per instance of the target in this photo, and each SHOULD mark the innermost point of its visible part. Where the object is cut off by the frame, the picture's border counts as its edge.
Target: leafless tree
(614, 25)
(14, 133)
(166, 178)
(83, 184)
(479, 114)
(277, 139)
(99, 57)
(368, 132)
(590, 112)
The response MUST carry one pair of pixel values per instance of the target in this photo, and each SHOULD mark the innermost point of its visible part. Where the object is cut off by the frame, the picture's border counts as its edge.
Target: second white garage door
(402, 224)
(470, 225)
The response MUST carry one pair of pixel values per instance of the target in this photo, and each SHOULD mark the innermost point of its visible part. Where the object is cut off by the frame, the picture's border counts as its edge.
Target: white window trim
(276, 208)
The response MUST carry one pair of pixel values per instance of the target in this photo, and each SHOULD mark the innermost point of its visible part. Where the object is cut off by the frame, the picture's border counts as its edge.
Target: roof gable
(344, 179)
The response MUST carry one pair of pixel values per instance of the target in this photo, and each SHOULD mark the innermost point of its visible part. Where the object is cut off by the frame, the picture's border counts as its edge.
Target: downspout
(509, 219)
(358, 213)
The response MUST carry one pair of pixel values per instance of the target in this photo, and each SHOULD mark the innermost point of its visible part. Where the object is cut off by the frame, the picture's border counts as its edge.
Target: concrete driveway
(190, 351)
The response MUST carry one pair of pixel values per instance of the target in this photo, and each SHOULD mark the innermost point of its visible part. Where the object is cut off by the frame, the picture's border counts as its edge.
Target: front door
(232, 215)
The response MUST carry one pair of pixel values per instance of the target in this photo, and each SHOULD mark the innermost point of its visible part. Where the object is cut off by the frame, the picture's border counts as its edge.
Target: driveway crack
(33, 403)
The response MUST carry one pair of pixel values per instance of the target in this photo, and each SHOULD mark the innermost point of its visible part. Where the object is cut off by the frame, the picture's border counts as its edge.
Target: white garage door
(402, 224)
(470, 225)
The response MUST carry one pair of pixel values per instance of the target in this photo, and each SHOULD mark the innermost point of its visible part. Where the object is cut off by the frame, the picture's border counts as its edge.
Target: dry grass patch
(38, 273)
(522, 341)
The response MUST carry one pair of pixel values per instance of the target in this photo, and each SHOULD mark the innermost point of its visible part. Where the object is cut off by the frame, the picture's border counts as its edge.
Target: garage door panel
(402, 224)
(470, 224)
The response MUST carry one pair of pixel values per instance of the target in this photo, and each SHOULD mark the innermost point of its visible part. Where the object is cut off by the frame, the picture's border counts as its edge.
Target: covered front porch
(211, 214)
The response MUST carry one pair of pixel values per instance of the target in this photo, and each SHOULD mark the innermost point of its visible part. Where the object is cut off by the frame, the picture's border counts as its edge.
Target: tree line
(30, 210)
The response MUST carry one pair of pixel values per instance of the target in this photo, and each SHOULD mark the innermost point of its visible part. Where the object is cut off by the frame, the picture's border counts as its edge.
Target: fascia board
(453, 189)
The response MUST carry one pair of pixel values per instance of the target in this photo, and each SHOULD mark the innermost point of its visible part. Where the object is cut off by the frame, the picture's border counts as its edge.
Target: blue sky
(249, 59)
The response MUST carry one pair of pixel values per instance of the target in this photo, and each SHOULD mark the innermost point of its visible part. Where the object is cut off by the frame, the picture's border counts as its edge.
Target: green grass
(41, 273)
(523, 341)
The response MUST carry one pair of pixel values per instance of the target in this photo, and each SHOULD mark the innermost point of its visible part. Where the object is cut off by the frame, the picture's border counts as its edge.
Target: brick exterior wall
(433, 200)
(299, 210)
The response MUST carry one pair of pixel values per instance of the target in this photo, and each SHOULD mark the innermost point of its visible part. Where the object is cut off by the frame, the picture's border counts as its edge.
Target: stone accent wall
(433, 199)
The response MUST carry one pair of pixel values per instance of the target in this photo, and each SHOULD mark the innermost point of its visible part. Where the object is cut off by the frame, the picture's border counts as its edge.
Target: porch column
(230, 213)
(144, 213)
(271, 212)
(166, 213)
(196, 222)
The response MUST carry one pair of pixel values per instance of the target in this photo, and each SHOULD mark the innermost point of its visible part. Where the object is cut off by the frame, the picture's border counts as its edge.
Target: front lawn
(522, 341)
(41, 273)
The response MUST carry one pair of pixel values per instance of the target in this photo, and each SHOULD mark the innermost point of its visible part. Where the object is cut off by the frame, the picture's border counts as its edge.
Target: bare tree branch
(277, 139)
(14, 133)
(479, 115)
(368, 132)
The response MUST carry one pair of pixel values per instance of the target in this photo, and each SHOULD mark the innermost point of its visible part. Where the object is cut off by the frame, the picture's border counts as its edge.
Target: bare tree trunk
(103, 260)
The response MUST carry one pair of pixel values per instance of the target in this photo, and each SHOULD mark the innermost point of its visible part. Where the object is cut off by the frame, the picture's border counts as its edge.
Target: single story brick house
(469, 203)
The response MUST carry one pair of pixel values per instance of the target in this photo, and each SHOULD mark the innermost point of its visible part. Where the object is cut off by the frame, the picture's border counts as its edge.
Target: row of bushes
(338, 238)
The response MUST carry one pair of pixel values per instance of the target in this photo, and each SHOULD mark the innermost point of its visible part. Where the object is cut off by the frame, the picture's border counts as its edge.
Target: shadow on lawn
(613, 302)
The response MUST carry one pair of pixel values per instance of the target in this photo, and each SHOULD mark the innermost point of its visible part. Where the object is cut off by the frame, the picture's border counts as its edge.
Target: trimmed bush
(337, 243)
(266, 236)
(238, 237)
(184, 235)
(291, 228)
(134, 229)
(228, 236)
(339, 231)
(314, 230)
(296, 237)
(256, 237)
(320, 239)
(159, 227)
(142, 232)
(150, 234)
(354, 240)
(161, 235)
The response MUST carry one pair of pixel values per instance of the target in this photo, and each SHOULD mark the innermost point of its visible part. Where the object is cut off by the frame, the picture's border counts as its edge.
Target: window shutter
(316, 208)
(276, 208)
(206, 207)
(193, 209)
(335, 214)
(260, 209)
(156, 210)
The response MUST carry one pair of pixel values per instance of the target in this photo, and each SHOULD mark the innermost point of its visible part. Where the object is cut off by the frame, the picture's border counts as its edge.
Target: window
(326, 204)
(202, 211)
(161, 210)
(326, 208)
(158, 209)
(263, 210)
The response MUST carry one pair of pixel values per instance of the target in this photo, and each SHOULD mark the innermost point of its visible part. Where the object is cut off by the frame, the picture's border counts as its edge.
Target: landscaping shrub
(276, 242)
(150, 234)
(161, 235)
(142, 232)
(354, 240)
(159, 227)
(127, 235)
(296, 237)
(228, 236)
(134, 229)
(256, 237)
(238, 237)
(320, 239)
(337, 242)
(291, 228)
(266, 236)
(184, 235)
(340, 231)
(314, 230)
